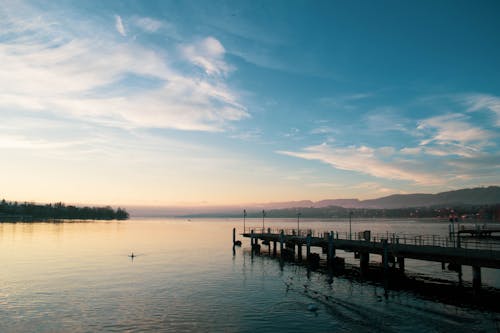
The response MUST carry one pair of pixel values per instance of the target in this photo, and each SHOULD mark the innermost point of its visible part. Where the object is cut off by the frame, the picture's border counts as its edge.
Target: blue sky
(233, 102)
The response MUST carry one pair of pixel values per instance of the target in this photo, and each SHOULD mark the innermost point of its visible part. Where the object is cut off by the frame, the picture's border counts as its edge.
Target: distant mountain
(473, 196)
(347, 203)
(287, 204)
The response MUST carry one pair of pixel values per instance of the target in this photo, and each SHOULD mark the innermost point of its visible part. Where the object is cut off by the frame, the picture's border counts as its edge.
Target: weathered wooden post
(385, 256)
(364, 261)
(234, 236)
(331, 249)
(476, 278)
(282, 240)
(459, 266)
(385, 261)
(256, 245)
(364, 257)
(401, 263)
(308, 245)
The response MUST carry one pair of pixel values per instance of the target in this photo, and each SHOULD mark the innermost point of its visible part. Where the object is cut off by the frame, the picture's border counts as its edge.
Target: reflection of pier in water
(394, 249)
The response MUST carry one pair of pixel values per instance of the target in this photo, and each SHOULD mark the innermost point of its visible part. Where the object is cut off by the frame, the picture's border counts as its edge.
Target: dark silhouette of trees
(28, 211)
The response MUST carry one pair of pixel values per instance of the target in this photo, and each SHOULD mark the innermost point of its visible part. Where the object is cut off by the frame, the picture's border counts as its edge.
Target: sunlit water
(77, 277)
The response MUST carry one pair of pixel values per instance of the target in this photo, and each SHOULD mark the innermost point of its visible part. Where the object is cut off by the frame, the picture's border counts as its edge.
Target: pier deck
(479, 232)
(390, 246)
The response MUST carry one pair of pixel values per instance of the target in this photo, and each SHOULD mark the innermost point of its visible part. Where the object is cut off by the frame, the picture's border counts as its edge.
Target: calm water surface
(77, 277)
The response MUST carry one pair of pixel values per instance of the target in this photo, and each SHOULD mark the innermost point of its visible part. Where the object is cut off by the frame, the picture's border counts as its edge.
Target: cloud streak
(364, 160)
(450, 149)
(207, 54)
(119, 25)
(452, 128)
(478, 102)
(91, 77)
(148, 24)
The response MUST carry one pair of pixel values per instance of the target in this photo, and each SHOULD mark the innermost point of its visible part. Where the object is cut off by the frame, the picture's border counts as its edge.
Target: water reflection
(78, 277)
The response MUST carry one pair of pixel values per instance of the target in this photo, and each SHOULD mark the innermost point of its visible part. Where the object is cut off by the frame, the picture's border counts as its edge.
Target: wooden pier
(393, 248)
(479, 232)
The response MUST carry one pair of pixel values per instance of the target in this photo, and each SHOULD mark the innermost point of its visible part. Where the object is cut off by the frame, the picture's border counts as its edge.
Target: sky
(232, 102)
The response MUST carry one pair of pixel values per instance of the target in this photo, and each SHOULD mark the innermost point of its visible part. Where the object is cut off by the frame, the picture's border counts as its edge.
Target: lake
(78, 277)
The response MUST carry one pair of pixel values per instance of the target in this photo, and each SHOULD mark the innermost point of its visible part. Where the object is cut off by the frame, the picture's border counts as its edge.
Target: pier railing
(454, 240)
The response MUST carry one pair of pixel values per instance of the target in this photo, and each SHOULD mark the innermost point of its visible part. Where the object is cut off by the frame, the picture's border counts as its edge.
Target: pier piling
(364, 260)
(364, 257)
(401, 263)
(282, 240)
(331, 249)
(308, 246)
(476, 278)
(385, 262)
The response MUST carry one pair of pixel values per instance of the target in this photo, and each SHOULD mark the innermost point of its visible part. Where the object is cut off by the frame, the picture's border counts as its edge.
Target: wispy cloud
(383, 119)
(411, 150)
(90, 76)
(376, 188)
(483, 101)
(346, 101)
(364, 160)
(21, 142)
(207, 54)
(452, 150)
(249, 135)
(119, 26)
(452, 128)
(148, 24)
(322, 130)
(292, 133)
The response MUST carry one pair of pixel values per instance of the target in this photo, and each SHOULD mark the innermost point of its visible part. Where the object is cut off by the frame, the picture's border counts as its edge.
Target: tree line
(28, 211)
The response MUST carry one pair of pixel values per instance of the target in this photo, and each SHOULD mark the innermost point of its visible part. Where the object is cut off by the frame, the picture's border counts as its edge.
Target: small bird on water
(312, 307)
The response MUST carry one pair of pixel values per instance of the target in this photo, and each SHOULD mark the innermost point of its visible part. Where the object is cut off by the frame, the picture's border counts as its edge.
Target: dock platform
(393, 248)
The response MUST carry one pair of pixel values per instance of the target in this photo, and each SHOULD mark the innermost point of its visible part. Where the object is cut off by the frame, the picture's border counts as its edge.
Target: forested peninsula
(29, 212)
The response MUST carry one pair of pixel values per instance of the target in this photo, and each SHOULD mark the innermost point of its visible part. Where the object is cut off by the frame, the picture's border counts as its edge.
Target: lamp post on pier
(263, 216)
(350, 230)
(244, 218)
(298, 223)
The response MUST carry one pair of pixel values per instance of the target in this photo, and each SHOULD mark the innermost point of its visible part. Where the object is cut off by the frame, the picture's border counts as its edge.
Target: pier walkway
(394, 248)
(479, 232)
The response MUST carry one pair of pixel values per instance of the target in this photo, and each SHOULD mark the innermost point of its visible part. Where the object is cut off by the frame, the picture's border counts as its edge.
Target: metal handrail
(452, 241)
